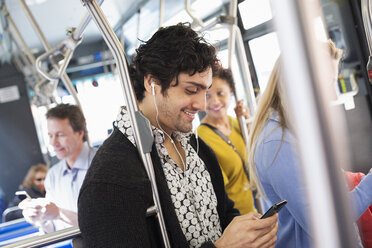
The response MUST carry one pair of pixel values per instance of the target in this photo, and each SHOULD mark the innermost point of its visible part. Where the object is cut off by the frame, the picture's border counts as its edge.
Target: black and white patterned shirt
(192, 192)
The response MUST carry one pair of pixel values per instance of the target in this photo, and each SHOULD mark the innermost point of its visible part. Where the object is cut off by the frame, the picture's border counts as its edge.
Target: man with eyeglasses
(68, 135)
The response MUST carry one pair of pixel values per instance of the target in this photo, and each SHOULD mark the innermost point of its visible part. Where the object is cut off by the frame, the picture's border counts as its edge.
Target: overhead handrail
(42, 90)
(366, 15)
(64, 50)
(195, 20)
(140, 124)
(322, 151)
(65, 79)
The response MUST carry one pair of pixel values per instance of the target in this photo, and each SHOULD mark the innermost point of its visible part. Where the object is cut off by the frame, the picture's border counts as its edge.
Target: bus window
(100, 103)
(254, 12)
(265, 50)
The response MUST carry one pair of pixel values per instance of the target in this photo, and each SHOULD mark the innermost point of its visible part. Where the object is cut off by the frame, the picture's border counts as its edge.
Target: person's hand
(249, 231)
(31, 211)
(50, 211)
(37, 211)
(241, 110)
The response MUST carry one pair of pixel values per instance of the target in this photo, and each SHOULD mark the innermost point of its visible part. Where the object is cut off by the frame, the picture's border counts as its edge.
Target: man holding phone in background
(68, 135)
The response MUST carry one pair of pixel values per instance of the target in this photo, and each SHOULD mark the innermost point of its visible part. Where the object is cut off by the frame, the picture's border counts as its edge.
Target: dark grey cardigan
(116, 194)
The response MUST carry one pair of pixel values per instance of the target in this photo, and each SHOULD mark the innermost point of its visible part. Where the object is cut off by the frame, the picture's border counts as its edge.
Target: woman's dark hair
(225, 74)
(74, 115)
(170, 51)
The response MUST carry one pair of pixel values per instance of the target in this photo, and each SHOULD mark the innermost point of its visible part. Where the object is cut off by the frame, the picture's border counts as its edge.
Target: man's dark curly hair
(170, 51)
(74, 115)
(224, 74)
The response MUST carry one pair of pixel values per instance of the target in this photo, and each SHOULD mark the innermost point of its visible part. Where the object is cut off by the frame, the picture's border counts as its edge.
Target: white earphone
(153, 88)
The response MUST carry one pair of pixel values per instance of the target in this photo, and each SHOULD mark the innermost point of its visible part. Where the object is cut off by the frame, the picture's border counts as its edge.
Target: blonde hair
(272, 101)
(28, 181)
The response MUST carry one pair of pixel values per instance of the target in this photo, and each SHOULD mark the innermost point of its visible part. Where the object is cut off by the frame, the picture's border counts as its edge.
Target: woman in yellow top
(231, 158)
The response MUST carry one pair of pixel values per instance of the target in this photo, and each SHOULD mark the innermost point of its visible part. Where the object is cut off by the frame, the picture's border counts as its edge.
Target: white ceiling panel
(55, 16)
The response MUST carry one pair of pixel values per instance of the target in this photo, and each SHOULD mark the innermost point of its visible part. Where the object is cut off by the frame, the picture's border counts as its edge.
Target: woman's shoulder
(272, 131)
(204, 131)
(234, 123)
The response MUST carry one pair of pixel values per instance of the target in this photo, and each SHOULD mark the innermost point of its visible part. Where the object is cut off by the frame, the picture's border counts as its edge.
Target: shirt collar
(125, 126)
(273, 115)
(82, 161)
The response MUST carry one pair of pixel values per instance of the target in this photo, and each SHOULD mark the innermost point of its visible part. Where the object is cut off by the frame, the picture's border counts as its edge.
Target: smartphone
(22, 195)
(274, 209)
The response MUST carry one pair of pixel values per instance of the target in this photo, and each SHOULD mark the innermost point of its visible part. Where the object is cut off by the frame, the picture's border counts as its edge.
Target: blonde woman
(33, 184)
(274, 165)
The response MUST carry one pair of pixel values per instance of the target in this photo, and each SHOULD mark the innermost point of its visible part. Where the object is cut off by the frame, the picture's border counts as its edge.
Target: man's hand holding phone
(37, 211)
(250, 231)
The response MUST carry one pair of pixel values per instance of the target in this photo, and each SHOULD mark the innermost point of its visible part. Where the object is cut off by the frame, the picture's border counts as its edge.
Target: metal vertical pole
(366, 14)
(323, 150)
(161, 12)
(140, 124)
(231, 52)
(236, 38)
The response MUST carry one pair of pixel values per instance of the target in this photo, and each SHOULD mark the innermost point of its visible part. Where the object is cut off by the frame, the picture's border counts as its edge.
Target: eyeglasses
(40, 179)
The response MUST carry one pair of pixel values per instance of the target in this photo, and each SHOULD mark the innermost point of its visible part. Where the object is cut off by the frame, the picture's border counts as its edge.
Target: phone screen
(22, 195)
(274, 209)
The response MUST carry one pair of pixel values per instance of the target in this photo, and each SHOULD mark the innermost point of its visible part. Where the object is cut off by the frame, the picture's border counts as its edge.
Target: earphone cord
(197, 141)
(201, 220)
(175, 147)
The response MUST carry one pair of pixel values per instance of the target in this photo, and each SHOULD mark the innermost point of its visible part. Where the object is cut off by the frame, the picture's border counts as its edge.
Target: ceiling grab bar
(65, 79)
(64, 50)
(322, 151)
(366, 15)
(141, 125)
(195, 21)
